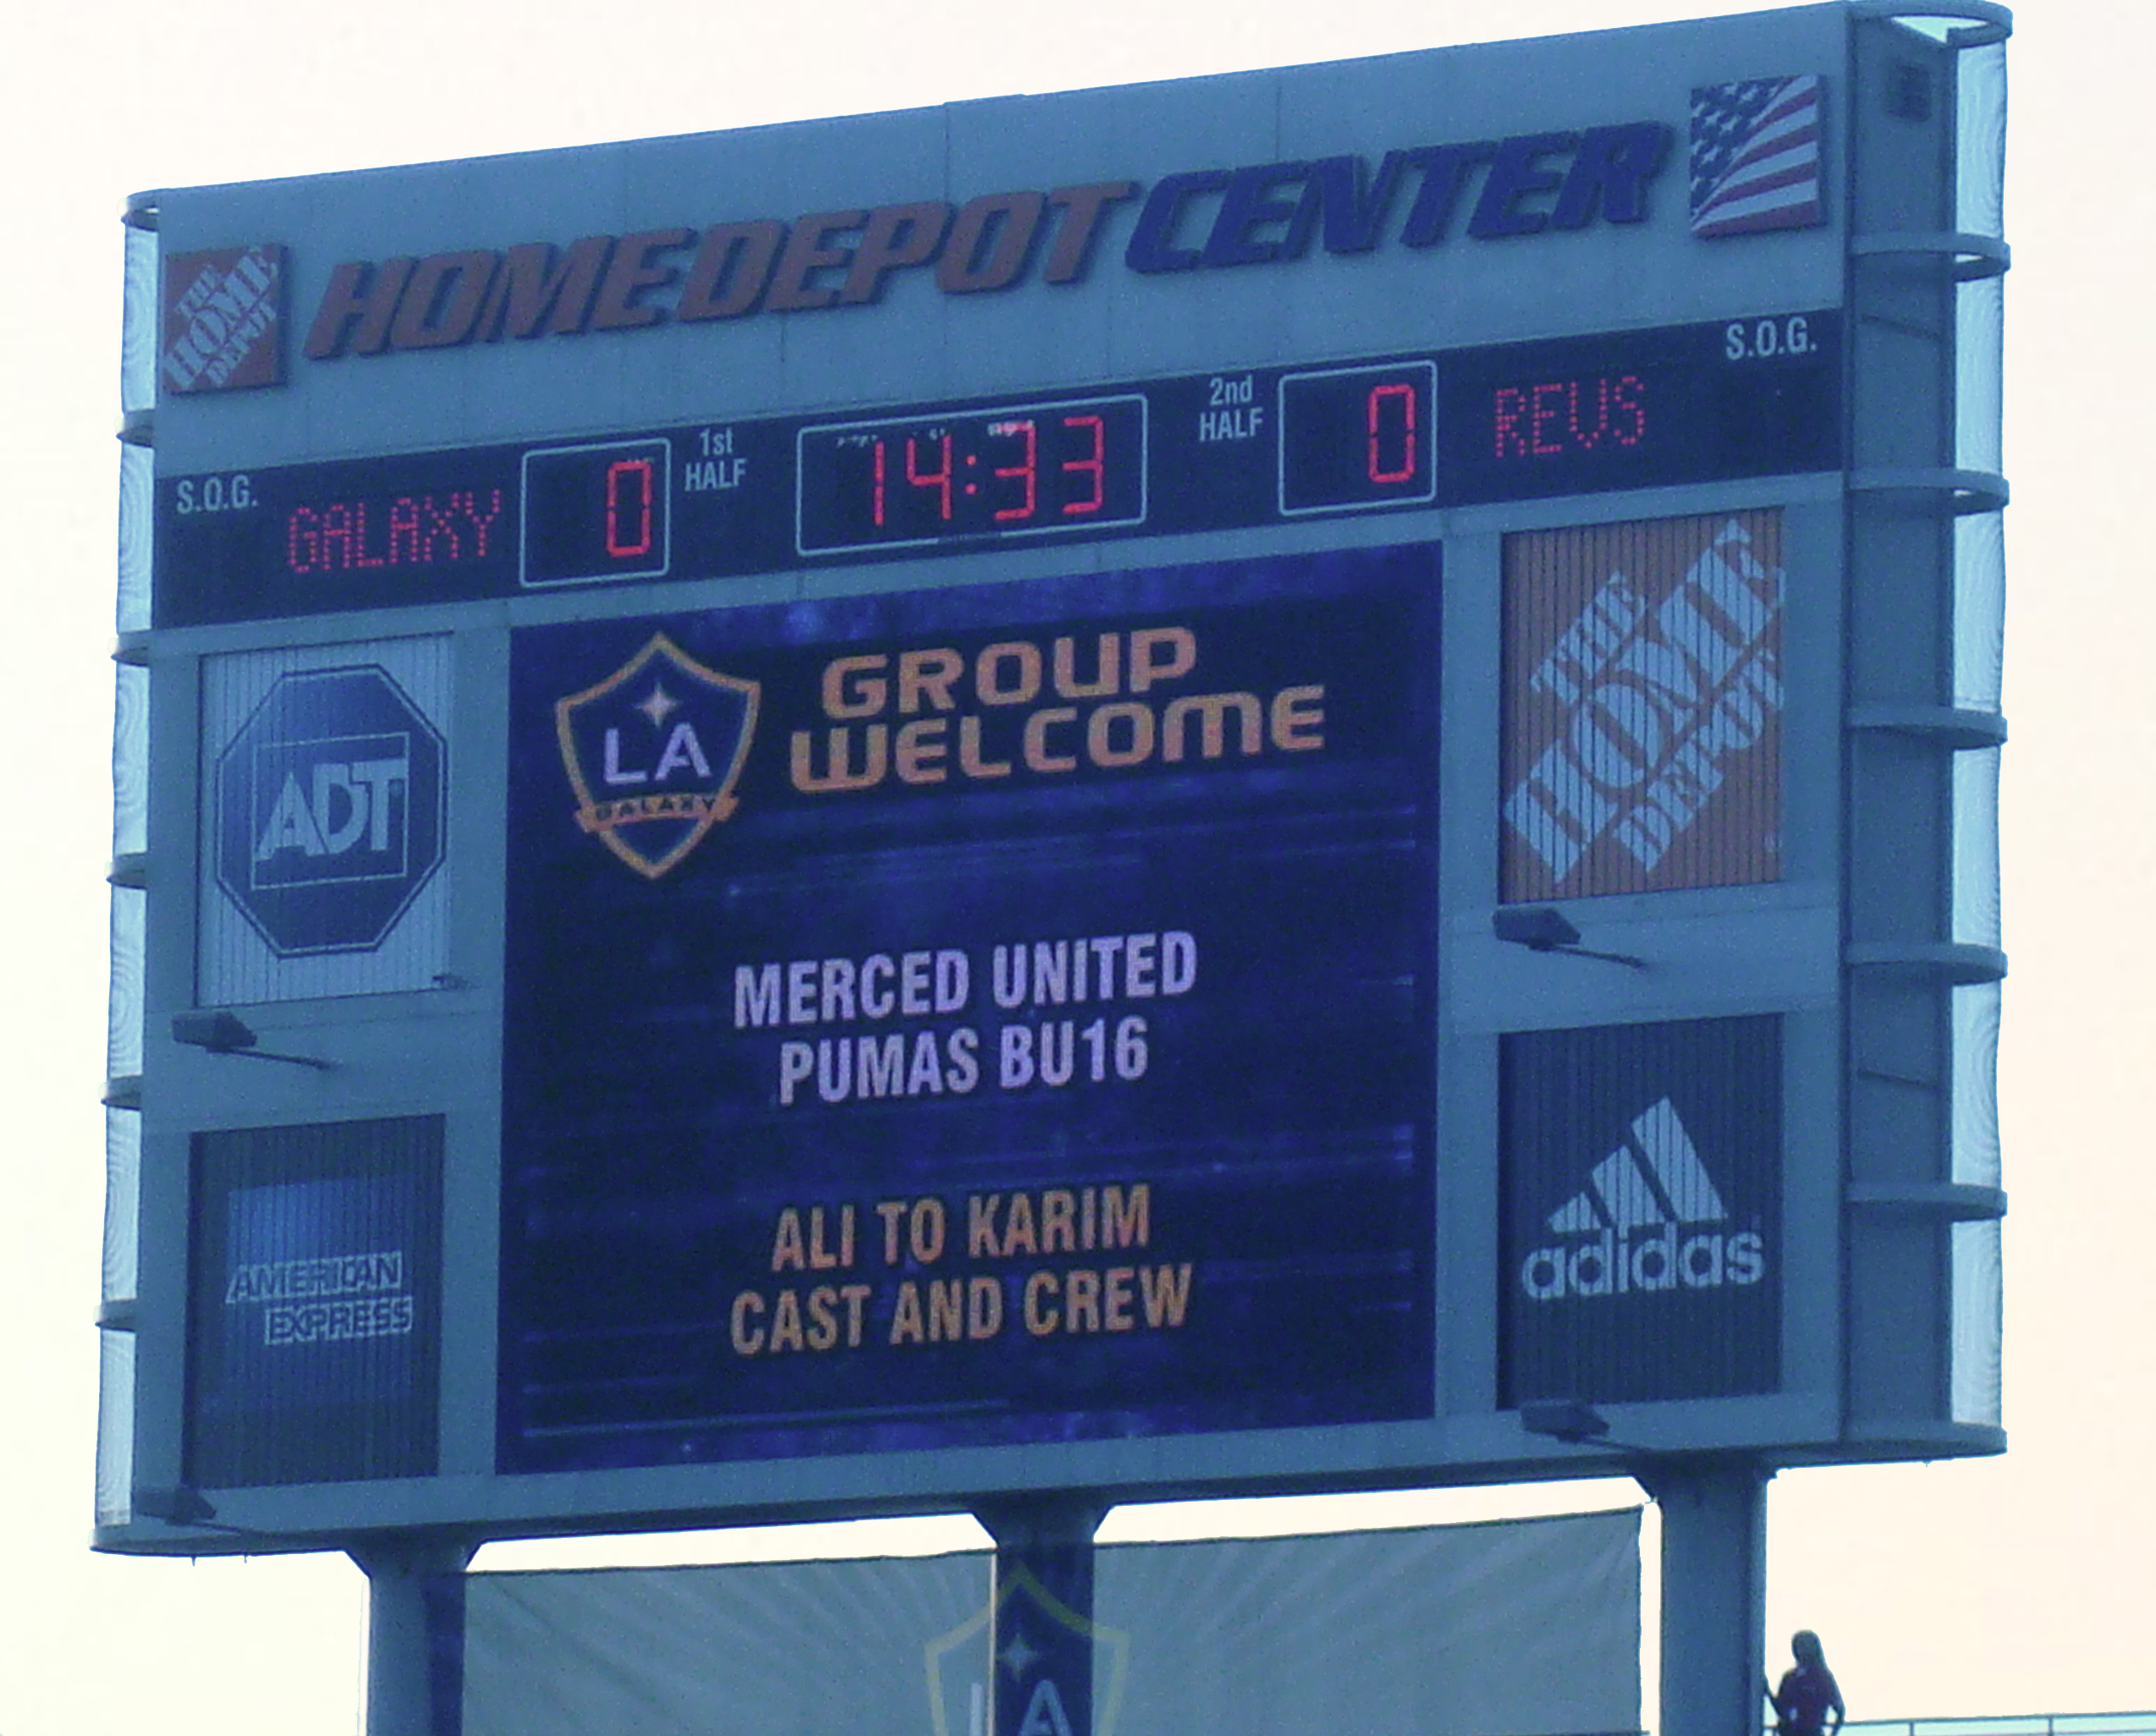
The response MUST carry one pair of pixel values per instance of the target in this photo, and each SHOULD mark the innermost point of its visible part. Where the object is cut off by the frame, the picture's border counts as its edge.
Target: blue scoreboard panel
(814, 839)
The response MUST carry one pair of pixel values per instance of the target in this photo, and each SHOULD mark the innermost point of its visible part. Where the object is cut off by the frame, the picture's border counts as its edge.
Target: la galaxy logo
(653, 753)
(1053, 1672)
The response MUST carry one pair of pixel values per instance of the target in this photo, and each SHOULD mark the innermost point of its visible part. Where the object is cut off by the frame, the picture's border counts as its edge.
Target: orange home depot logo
(1642, 706)
(224, 320)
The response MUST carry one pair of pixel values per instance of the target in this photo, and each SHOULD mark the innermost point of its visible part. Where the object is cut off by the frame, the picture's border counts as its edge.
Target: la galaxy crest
(1053, 1671)
(653, 753)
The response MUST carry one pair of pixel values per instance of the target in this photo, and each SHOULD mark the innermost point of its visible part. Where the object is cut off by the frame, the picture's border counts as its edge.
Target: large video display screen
(964, 1017)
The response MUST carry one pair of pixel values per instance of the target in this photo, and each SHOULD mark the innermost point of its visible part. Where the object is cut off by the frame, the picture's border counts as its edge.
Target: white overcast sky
(2015, 1585)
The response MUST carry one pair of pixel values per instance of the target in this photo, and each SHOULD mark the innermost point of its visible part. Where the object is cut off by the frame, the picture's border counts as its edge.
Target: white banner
(1522, 1629)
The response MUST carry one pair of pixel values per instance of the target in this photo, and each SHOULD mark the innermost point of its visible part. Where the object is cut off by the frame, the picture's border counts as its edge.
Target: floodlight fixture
(222, 1032)
(1542, 928)
(1566, 1419)
(181, 1505)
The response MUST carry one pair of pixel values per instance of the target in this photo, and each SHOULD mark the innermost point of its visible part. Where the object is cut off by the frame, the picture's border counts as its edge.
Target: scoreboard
(796, 837)
(1230, 450)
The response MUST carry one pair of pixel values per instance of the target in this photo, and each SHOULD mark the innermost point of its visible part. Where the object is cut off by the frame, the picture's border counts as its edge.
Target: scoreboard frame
(773, 735)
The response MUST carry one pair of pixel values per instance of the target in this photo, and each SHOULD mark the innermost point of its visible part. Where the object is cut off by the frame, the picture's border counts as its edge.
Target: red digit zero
(1400, 396)
(630, 489)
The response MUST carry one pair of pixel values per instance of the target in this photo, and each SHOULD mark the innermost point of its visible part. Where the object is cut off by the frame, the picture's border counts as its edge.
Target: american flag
(1755, 155)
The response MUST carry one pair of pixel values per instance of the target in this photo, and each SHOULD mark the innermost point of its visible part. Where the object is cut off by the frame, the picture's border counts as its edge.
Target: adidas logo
(1639, 1211)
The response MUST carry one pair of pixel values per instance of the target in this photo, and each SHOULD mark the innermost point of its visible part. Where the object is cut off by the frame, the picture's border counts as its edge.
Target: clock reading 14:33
(1044, 467)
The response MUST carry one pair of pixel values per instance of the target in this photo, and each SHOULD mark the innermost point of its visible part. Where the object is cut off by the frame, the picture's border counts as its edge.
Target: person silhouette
(1809, 1693)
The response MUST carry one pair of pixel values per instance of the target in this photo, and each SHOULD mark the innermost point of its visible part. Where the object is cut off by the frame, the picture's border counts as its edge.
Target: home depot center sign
(1262, 214)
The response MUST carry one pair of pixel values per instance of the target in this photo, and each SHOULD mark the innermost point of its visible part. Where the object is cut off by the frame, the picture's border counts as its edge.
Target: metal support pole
(1713, 1593)
(414, 1635)
(1041, 1630)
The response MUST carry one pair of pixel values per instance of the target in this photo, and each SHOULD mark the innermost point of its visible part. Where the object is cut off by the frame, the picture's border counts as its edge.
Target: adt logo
(330, 804)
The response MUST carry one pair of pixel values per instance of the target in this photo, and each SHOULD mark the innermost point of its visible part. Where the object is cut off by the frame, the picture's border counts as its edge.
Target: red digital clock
(1072, 464)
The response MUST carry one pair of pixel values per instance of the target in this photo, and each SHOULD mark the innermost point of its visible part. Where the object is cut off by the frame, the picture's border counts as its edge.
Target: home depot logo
(1642, 745)
(1647, 1220)
(222, 325)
